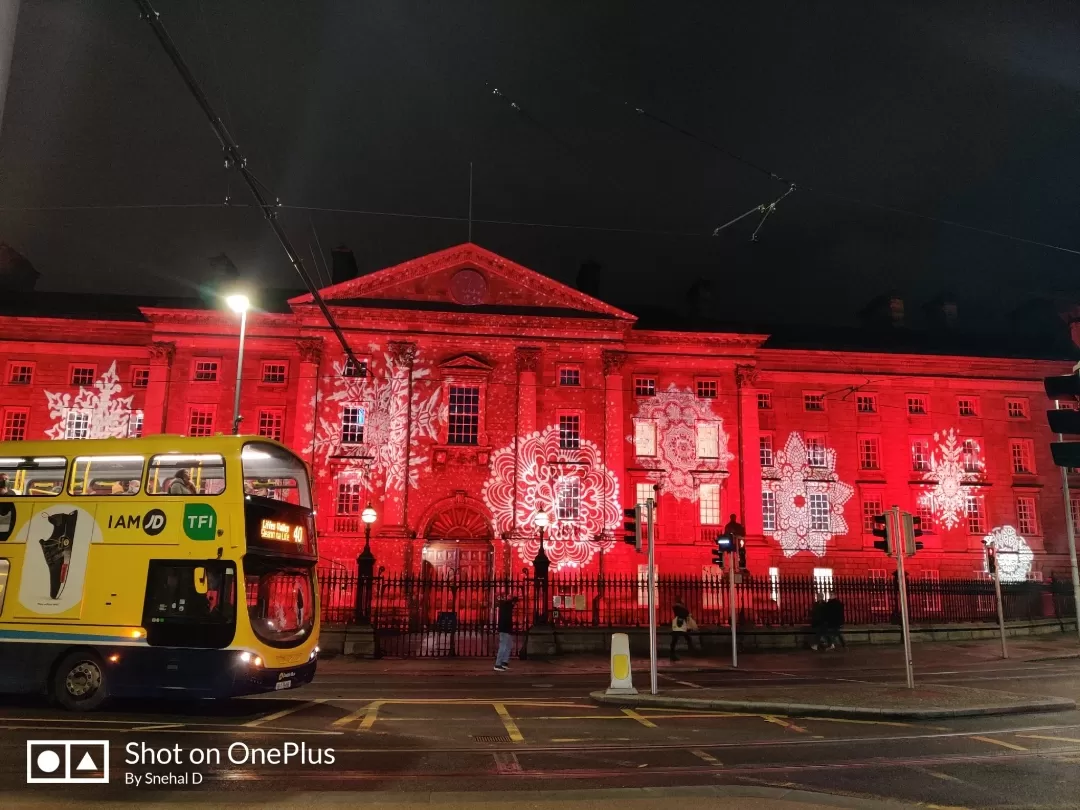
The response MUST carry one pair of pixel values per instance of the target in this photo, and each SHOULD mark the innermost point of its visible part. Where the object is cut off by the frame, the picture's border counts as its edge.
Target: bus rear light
(138, 633)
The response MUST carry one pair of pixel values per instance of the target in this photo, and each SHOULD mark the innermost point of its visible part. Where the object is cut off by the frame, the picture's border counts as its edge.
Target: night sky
(961, 111)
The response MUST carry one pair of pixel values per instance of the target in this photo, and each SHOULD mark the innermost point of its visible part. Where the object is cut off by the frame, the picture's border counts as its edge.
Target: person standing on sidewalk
(834, 620)
(505, 607)
(818, 622)
(681, 625)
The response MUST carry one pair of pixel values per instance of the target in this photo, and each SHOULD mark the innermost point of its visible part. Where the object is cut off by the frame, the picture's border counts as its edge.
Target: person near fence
(682, 624)
(834, 621)
(819, 622)
(505, 607)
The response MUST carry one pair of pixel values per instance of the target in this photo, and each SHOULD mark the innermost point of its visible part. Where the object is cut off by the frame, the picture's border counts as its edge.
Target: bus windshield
(274, 473)
(280, 600)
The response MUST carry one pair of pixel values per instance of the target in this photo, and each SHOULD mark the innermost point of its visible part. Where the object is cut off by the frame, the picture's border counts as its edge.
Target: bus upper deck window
(272, 472)
(42, 476)
(107, 475)
(187, 474)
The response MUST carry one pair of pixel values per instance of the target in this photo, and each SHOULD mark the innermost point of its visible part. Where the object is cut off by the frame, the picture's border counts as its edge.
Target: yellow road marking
(939, 775)
(643, 720)
(1055, 739)
(770, 718)
(870, 722)
(158, 727)
(508, 721)
(284, 713)
(1002, 743)
(349, 718)
(369, 718)
(697, 752)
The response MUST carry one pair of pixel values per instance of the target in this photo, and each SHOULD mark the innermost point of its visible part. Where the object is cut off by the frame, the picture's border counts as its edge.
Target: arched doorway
(457, 541)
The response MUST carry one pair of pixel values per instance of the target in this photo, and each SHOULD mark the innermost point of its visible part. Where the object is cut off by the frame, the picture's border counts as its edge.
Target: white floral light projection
(109, 413)
(677, 413)
(384, 396)
(949, 474)
(578, 493)
(809, 500)
(1014, 555)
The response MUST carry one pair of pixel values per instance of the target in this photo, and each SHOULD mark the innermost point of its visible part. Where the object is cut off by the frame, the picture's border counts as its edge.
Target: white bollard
(621, 678)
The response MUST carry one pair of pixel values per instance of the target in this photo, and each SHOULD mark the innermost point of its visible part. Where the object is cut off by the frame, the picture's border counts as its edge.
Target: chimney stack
(343, 265)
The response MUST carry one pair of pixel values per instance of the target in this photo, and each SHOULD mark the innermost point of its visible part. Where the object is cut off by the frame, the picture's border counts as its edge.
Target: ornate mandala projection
(94, 413)
(688, 437)
(953, 465)
(384, 397)
(1014, 555)
(809, 500)
(578, 493)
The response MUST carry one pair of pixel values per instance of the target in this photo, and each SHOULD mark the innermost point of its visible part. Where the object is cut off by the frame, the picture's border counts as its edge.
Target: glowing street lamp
(541, 566)
(239, 303)
(365, 569)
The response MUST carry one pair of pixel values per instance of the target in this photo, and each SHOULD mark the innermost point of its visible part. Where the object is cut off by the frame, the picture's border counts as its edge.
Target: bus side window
(107, 475)
(21, 477)
(5, 567)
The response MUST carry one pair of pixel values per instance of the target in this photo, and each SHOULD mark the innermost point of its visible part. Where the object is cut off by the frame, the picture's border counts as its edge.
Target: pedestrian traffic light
(882, 530)
(991, 559)
(1064, 421)
(633, 527)
(724, 544)
(742, 553)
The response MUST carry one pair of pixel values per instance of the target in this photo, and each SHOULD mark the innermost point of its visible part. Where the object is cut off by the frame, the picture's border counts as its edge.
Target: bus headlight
(314, 654)
(253, 660)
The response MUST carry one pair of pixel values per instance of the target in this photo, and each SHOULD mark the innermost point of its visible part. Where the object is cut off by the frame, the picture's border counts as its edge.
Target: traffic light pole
(901, 583)
(1000, 607)
(731, 598)
(1070, 533)
(650, 508)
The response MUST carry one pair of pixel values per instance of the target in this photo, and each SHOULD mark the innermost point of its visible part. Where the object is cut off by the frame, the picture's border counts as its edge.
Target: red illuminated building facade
(487, 392)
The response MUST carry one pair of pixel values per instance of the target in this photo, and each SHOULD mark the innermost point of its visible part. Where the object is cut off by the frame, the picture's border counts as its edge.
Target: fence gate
(441, 615)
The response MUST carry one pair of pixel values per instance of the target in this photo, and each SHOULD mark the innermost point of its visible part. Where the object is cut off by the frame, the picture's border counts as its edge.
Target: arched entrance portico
(457, 539)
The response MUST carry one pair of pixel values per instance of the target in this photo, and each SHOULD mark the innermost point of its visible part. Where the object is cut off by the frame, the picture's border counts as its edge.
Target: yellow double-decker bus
(154, 567)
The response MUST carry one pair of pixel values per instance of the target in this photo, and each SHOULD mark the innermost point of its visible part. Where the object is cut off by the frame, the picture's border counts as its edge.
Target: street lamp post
(365, 569)
(541, 566)
(239, 303)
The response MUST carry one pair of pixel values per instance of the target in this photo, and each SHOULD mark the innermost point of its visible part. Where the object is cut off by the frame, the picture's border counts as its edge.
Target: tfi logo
(200, 521)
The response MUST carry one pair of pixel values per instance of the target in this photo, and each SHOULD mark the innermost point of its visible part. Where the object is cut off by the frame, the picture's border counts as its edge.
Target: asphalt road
(466, 728)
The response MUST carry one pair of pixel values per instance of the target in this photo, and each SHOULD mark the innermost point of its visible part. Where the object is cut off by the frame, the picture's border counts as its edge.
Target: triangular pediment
(461, 278)
(465, 362)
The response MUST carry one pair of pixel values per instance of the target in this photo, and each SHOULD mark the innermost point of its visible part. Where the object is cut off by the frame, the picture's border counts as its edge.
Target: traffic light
(1064, 420)
(883, 530)
(742, 554)
(991, 559)
(724, 544)
(633, 527)
(911, 528)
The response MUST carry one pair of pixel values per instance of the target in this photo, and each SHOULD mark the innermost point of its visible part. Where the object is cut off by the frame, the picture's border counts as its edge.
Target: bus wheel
(79, 682)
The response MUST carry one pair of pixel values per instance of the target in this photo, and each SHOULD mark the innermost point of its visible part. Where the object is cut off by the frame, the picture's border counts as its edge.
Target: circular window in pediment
(468, 287)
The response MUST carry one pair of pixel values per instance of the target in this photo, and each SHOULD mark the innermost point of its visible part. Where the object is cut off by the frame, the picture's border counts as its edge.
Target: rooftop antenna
(470, 200)
(234, 158)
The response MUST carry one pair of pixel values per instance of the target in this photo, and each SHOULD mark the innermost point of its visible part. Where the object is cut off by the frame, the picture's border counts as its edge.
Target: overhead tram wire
(232, 151)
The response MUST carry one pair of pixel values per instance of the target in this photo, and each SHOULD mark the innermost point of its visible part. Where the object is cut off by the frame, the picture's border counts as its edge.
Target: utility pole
(9, 17)
(650, 509)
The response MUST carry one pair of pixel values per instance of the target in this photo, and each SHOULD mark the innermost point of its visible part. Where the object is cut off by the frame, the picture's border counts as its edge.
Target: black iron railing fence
(407, 604)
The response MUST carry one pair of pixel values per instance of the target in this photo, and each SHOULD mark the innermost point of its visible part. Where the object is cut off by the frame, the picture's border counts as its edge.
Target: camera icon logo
(67, 762)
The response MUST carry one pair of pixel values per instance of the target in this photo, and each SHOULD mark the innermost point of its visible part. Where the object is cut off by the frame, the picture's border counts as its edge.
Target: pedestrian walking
(505, 607)
(682, 624)
(818, 622)
(834, 621)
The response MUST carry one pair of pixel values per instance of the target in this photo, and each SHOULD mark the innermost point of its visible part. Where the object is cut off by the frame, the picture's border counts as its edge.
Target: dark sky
(962, 111)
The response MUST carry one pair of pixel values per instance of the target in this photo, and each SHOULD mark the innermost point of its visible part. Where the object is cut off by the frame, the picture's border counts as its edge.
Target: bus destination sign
(281, 532)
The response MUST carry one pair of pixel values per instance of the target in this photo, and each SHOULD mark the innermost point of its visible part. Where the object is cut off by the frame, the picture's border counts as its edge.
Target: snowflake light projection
(677, 413)
(110, 414)
(384, 396)
(578, 493)
(1014, 555)
(806, 521)
(953, 465)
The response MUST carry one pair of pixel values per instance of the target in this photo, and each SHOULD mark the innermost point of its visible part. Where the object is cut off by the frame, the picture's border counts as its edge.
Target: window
(205, 370)
(706, 389)
(872, 506)
(108, 475)
(708, 440)
(644, 386)
(83, 375)
(275, 372)
(1017, 408)
(353, 418)
(765, 449)
(819, 512)
(200, 422)
(464, 425)
(351, 369)
(1023, 456)
(879, 598)
(970, 456)
(967, 406)
(709, 501)
(1074, 506)
(823, 581)
(140, 377)
(568, 499)
(5, 569)
(774, 585)
(569, 376)
(24, 477)
(190, 604)
(135, 425)
(273, 473)
(869, 453)
(350, 497)
(271, 423)
(1027, 521)
(924, 511)
(183, 474)
(931, 591)
(866, 403)
(76, 424)
(20, 373)
(644, 437)
(644, 491)
(976, 514)
(280, 600)
(916, 405)
(920, 455)
(15, 421)
(643, 585)
(764, 401)
(569, 431)
(815, 451)
(768, 510)
(813, 402)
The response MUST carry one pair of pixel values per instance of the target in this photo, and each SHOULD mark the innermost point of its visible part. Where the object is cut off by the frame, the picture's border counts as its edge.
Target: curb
(820, 710)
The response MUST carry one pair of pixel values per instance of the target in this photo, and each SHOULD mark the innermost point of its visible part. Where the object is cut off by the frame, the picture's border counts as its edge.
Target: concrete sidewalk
(846, 699)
